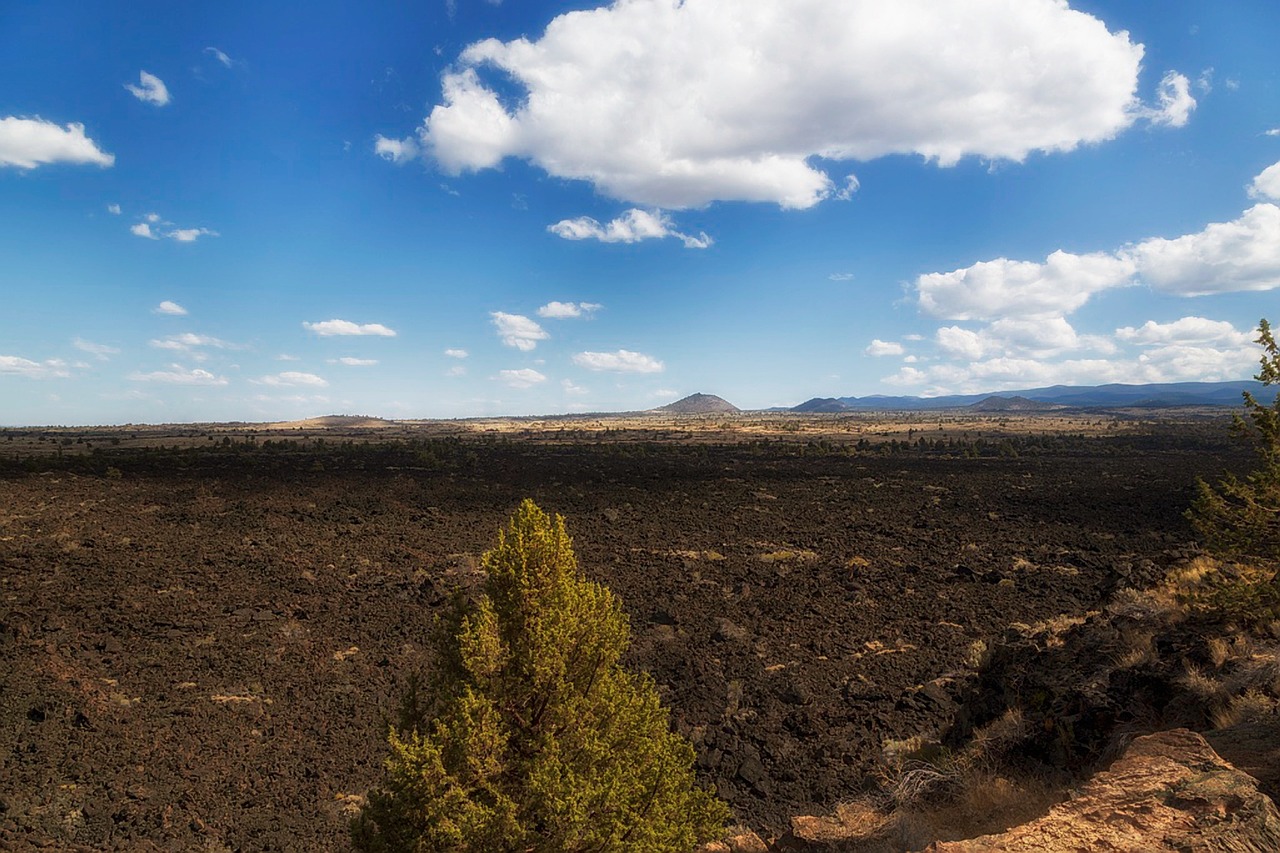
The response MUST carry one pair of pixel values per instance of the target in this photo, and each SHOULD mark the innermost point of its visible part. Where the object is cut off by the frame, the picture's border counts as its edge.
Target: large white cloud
(621, 361)
(1226, 257)
(330, 328)
(30, 142)
(517, 330)
(1001, 288)
(150, 89)
(631, 227)
(1267, 183)
(632, 98)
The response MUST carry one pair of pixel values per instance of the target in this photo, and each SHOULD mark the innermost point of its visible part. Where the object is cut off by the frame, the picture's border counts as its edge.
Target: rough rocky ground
(200, 653)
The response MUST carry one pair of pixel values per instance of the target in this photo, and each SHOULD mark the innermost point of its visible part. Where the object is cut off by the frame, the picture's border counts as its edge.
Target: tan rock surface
(1169, 792)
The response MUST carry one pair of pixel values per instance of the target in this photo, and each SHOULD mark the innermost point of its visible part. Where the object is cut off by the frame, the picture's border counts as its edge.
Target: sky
(456, 208)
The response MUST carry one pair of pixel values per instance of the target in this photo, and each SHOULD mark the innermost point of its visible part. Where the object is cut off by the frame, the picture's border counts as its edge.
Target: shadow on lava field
(200, 649)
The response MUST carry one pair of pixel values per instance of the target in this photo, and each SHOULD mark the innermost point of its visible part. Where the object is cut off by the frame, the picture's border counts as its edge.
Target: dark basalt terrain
(200, 650)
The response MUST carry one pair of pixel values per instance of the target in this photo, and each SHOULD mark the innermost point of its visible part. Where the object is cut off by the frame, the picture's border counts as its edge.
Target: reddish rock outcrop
(1169, 792)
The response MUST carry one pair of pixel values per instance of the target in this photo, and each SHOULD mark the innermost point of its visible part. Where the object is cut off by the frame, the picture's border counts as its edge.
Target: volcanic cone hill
(700, 404)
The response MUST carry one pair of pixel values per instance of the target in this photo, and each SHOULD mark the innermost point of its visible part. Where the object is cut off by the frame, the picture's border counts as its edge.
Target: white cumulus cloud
(525, 377)
(26, 143)
(330, 328)
(879, 348)
(1225, 257)
(1002, 287)
(517, 330)
(632, 97)
(150, 89)
(568, 310)
(143, 229)
(1188, 330)
(1267, 183)
(456, 353)
(631, 227)
(171, 308)
(621, 361)
(113, 209)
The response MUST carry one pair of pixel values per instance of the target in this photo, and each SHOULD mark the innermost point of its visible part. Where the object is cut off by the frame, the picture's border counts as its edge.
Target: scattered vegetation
(529, 735)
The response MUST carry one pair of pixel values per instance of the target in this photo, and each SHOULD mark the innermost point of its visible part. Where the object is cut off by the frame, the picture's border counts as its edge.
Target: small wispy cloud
(396, 150)
(456, 353)
(179, 375)
(173, 309)
(524, 378)
(150, 89)
(631, 227)
(113, 209)
(102, 352)
(190, 341)
(291, 379)
(878, 348)
(167, 230)
(331, 328)
(352, 361)
(840, 276)
(13, 365)
(568, 310)
(621, 361)
(518, 331)
(220, 56)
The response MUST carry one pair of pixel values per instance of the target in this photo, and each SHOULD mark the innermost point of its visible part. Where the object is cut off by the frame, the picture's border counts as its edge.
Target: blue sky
(448, 209)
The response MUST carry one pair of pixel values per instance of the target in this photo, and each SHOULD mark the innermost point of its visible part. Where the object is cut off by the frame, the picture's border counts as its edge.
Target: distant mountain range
(1163, 395)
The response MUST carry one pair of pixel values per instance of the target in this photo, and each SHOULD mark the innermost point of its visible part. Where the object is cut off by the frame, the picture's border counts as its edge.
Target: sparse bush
(529, 736)
(1242, 517)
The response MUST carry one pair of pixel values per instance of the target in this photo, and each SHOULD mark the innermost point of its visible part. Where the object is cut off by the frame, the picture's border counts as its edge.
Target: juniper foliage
(530, 736)
(1241, 517)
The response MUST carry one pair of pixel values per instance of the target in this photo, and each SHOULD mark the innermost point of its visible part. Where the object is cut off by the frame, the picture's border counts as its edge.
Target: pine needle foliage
(1241, 517)
(530, 736)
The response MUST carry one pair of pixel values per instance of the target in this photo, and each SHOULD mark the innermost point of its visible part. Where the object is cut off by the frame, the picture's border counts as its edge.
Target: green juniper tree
(1242, 517)
(530, 736)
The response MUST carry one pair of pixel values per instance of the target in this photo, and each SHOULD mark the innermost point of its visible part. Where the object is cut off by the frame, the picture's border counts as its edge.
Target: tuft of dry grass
(1249, 707)
(1219, 650)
